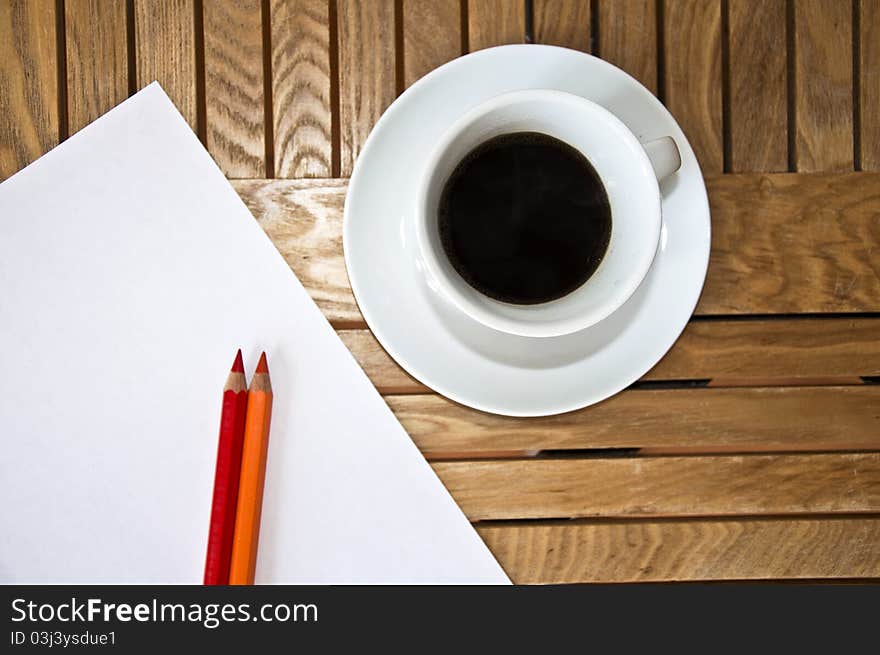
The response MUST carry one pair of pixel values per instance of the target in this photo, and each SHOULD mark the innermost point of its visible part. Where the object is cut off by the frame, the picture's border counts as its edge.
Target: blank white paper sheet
(130, 272)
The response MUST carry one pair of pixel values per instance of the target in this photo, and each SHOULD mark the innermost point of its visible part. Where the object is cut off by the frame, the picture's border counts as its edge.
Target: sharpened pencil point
(238, 364)
(262, 366)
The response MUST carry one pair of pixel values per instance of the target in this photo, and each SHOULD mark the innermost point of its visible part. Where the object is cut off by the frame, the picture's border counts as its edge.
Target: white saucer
(459, 357)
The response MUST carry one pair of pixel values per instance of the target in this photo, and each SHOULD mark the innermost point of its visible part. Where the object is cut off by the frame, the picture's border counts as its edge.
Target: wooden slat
(564, 23)
(668, 420)
(301, 88)
(304, 220)
(97, 59)
(495, 22)
(665, 551)
(165, 51)
(665, 486)
(692, 80)
(793, 243)
(627, 37)
(804, 351)
(234, 86)
(782, 243)
(431, 36)
(823, 86)
(758, 86)
(869, 84)
(744, 353)
(366, 71)
(28, 82)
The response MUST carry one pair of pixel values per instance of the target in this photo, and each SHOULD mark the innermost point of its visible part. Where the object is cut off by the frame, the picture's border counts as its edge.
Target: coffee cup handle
(664, 156)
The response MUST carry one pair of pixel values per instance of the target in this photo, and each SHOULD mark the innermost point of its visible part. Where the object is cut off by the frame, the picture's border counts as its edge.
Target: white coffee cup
(629, 171)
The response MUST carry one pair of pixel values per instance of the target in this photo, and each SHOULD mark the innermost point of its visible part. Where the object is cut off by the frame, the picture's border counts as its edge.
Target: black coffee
(524, 218)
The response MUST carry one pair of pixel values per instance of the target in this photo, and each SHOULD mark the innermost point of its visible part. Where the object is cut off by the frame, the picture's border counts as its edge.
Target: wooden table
(752, 451)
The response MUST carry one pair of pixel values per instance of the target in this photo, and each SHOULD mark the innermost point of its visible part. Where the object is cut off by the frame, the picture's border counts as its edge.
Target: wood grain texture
(692, 38)
(758, 85)
(781, 243)
(97, 59)
(671, 420)
(742, 353)
(564, 23)
(628, 38)
(869, 84)
(797, 351)
(234, 86)
(366, 72)
(304, 220)
(495, 22)
(823, 86)
(664, 486)
(431, 36)
(793, 243)
(666, 551)
(301, 108)
(28, 83)
(165, 51)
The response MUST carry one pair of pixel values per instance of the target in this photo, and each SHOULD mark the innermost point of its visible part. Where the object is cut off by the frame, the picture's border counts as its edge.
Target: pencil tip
(262, 366)
(238, 364)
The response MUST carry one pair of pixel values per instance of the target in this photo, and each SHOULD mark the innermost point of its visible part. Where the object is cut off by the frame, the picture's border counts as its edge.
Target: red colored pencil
(226, 476)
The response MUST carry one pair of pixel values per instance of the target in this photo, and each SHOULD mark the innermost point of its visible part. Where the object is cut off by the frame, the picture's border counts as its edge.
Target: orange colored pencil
(253, 473)
(226, 475)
